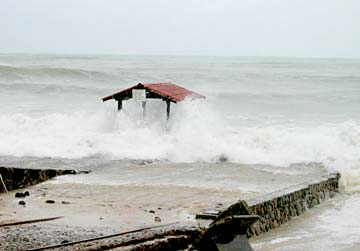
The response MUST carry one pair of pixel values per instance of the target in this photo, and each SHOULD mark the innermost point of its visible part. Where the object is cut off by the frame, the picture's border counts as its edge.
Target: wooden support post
(143, 104)
(167, 109)
(119, 105)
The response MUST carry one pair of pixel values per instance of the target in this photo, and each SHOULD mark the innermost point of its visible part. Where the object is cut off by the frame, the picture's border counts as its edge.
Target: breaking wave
(195, 133)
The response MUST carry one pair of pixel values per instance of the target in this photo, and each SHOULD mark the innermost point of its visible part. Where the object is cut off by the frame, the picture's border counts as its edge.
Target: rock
(65, 202)
(144, 162)
(64, 241)
(151, 211)
(19, 195)
(26, 193)
(222, 159)
(157, 219)
(219, 205)
(50, 201)
(69, 172)
(21, 202)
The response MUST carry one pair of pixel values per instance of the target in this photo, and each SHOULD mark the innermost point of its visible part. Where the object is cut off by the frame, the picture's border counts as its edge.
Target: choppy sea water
(267, 111)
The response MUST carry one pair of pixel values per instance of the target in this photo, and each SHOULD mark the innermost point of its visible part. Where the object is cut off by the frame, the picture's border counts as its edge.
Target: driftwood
(29, 221)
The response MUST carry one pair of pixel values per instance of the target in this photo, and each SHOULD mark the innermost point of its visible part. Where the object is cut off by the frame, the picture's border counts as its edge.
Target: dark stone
(50, 201)
(277, 214)
(157, 219)
(64, 241)
(65, 202)
(151, 211)
(73, 172)
(27, 193)
(19, 195)
(222, 159)
(21, 202)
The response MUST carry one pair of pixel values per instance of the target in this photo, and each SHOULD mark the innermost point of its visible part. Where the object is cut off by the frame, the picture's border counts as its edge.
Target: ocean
(278, 112)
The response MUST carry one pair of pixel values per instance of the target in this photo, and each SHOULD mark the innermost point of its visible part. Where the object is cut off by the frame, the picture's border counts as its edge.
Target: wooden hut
(168, 92)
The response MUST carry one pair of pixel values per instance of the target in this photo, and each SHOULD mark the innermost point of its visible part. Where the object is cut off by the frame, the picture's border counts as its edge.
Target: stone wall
(274, 209)
(279, 207)
(16, 178)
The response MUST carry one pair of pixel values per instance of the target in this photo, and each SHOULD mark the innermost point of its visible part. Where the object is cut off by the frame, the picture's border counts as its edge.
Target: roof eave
(107, 98)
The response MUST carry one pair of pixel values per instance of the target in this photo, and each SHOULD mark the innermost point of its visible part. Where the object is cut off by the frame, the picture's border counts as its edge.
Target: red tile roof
(166, 90)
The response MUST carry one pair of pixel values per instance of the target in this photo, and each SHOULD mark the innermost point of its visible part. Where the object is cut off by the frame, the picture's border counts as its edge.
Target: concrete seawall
(274, 209)
(16, 178)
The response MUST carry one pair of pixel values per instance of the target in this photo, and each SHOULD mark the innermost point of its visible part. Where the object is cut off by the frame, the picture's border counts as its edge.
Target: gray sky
(301, 28)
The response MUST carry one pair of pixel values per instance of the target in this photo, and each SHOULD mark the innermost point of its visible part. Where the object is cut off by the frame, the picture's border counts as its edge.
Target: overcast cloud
(302, 28)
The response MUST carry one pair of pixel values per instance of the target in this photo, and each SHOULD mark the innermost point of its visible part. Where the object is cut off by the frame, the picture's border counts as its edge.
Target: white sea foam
(194, 133)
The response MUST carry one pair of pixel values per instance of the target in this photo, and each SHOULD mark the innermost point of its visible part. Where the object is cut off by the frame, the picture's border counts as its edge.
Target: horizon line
(173, 55)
